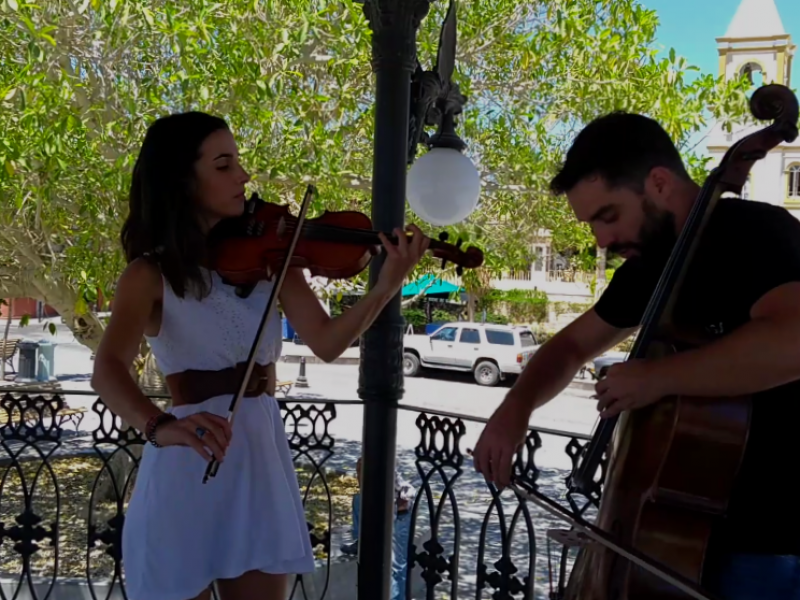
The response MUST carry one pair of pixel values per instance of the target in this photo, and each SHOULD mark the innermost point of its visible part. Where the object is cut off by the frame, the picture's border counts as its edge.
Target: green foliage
(497, 319)
(82, 79)
(440, 314)
(625, 345)
(415, 317)
(526, 306)
(569, 308)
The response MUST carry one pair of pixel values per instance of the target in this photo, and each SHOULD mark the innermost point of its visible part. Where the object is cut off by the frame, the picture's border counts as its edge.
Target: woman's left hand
(402, 257)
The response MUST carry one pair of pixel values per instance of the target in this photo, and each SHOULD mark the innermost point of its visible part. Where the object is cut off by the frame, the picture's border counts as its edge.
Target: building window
(754, 73)
(793, 187)
(539, 258)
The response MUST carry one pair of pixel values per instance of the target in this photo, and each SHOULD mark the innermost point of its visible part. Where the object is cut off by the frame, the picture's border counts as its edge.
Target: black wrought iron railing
(67, 467)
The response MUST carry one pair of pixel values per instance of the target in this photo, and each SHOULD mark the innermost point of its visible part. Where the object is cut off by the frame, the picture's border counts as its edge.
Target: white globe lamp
(443, 186)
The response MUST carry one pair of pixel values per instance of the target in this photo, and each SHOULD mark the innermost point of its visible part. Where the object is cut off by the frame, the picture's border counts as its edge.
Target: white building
(757, 45)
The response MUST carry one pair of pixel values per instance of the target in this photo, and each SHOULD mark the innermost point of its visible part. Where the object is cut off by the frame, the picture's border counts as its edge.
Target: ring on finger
(200, 432)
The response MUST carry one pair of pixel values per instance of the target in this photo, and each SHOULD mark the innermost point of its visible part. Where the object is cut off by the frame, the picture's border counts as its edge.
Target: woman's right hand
(184, 432)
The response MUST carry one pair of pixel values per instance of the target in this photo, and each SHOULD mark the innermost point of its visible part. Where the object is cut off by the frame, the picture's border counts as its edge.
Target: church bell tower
(756, 45)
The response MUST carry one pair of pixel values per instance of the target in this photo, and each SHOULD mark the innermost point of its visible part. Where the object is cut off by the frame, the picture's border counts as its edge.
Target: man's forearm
(758, 356)
(547, 374)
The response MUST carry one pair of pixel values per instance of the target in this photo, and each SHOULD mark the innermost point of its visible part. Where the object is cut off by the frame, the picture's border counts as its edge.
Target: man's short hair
(620, 147)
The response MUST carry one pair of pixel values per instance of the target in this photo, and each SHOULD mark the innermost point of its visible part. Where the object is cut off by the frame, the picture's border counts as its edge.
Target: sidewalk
(293, 352)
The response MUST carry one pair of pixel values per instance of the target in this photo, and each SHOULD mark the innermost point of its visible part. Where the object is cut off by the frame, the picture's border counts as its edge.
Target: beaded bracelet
(153, 424)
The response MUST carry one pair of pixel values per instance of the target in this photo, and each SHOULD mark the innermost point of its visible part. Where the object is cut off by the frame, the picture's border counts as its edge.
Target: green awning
(429, 285)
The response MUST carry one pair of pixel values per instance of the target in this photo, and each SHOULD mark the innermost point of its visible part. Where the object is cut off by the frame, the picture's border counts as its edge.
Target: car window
(526, 339)
(470, 336)
(500, 338)
(448, 334)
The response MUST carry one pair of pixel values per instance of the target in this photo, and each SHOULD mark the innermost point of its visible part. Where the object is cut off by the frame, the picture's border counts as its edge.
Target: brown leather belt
(193, 387)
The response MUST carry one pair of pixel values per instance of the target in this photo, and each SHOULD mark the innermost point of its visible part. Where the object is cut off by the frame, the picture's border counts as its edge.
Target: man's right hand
(503, 435)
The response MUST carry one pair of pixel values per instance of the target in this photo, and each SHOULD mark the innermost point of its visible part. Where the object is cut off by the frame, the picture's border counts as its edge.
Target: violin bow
(526, 492)
(213, 466)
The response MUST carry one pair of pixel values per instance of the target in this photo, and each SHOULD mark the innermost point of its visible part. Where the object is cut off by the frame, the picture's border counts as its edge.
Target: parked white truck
(489, 351)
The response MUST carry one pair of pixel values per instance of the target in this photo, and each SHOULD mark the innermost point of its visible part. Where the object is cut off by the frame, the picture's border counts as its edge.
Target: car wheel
(410, 364)
(487, 373)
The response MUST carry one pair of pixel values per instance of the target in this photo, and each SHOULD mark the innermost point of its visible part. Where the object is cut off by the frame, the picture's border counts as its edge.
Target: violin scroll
(776, 102)
(773, 102)
(471, 258)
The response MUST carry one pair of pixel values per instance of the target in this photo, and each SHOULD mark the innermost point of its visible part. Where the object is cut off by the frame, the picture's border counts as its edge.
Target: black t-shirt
(747, 249)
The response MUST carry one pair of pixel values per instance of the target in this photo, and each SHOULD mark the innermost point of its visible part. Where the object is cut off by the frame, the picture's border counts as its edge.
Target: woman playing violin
(245, 529)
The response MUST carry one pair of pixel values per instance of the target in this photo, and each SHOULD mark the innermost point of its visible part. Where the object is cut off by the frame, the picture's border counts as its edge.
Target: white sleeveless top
(181, 534)
(216, 332)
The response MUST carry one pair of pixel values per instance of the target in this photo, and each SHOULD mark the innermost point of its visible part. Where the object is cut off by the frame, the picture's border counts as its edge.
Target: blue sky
(691, 26)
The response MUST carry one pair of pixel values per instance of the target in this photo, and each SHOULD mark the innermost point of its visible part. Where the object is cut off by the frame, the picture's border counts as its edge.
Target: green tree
(81, 80)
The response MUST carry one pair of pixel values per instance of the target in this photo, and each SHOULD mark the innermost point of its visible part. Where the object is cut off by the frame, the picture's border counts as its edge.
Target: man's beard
(657, 236)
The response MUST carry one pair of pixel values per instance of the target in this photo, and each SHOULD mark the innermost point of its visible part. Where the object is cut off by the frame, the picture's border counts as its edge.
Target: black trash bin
(26, 372)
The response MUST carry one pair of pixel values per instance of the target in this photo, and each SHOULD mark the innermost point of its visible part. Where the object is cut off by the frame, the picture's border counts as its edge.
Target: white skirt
(180, 534)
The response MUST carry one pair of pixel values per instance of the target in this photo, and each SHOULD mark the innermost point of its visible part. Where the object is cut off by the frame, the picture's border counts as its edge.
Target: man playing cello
(625, 178)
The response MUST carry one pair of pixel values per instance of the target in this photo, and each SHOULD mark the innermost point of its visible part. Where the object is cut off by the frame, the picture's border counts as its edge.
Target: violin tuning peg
(444, 262)
(443, 236)
(459, 270)
(459, 242)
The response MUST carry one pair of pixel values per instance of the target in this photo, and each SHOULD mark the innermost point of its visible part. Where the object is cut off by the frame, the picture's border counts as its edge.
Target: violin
(659, 501)
(336, 244)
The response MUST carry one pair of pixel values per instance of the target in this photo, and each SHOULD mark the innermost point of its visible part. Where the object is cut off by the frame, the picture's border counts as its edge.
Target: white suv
(490, 351)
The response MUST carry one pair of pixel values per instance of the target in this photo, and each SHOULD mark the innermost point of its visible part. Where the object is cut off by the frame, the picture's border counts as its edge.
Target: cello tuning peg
(443, 236)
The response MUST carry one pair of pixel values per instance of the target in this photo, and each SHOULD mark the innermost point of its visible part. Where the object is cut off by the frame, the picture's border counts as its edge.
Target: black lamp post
(400, 118)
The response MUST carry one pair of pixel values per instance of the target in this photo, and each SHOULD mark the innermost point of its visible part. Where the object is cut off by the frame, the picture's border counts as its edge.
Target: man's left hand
(627, 386)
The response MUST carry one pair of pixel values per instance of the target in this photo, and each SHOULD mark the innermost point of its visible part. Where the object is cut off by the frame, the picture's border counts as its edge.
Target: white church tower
(757, 46)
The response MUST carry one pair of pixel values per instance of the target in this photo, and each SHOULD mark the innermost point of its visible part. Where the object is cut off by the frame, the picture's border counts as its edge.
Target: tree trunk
(471, 301)
(600, 272)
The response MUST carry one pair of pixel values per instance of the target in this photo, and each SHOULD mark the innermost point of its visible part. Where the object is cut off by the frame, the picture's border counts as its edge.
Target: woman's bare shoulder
(141, 278)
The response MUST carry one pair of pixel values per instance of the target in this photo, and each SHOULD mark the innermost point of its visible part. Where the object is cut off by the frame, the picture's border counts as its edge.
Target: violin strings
(328, 233)
(363, 236)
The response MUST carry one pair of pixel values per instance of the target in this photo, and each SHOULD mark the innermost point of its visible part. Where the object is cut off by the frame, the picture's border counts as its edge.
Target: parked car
(491, 352)
(604, 361)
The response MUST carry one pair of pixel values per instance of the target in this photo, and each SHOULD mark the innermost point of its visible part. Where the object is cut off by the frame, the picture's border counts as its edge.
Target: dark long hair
(162, 223)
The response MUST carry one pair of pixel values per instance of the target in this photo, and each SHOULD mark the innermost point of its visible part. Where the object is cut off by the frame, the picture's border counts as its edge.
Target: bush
(496, 318)
(541, 334)
(526, 306)
(415, 317)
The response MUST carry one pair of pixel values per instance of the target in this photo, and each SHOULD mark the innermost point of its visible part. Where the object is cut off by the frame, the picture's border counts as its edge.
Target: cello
(659, 502)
